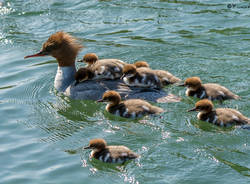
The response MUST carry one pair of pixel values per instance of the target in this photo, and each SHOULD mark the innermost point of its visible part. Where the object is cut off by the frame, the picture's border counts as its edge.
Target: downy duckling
(110, 154)
(132, 108)
(221, 116)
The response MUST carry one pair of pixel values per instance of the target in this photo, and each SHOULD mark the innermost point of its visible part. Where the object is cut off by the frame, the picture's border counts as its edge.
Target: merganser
(65, 48)
(133, 108)
(165, 76)
(221, 116)
(104, 68)
(211, 91)
(110, 154)
(141, 77)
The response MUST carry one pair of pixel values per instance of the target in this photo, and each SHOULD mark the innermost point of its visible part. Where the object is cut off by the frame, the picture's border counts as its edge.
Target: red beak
(39, 54)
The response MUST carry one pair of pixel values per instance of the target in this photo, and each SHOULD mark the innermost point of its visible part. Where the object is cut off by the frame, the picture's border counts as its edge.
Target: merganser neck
(64, 77)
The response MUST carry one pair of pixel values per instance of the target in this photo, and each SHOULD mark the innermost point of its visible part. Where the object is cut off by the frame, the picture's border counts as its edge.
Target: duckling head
(129, 70)
(111, 97)
(204, 106)
(96, 144)
(139, 64)
(89, 58)
(193, 83)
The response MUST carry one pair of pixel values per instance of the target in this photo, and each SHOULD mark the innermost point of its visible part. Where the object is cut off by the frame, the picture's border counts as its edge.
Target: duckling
(165, 76)
(104, 68)
(140, 77)
(110, 154)
(83, 74)
(211, 91)
(221, 116)
(132, 108)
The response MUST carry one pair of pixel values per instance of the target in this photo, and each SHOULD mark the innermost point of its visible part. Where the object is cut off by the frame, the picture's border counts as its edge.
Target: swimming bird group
(127, 88)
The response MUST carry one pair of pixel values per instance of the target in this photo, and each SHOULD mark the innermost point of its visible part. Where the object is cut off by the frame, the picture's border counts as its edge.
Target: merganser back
(65, 48)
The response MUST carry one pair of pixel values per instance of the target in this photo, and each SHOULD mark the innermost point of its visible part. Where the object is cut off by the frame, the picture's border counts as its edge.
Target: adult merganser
(211, 91)
(220, 116)
(110, 154)
(142, 77)
(65, 48)
(132, 108)
(104, 68)
(165, 76)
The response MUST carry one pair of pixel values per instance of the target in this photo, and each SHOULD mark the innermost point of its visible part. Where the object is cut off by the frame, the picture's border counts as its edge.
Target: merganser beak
(193, 109)
(39, 54)
(101, 100)
(80, 61)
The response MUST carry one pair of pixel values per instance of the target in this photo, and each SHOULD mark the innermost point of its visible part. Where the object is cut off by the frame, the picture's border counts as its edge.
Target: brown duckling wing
(230, 116)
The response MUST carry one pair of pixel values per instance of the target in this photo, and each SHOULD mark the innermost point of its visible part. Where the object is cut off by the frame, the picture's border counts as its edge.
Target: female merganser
(133, 108)
(211, 91)
(104, 68)
(220, 116)
(141, 77)
(110, 154)
(165, 76)
(65, 48)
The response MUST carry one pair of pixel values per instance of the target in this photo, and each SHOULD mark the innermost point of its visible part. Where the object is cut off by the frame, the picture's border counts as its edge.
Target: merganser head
(204, 106)
(139, 64)
(89, 58)
(112, 97)
(129, 70)
(61, 46)
(83, 74)
(193, 83)
(96, 144)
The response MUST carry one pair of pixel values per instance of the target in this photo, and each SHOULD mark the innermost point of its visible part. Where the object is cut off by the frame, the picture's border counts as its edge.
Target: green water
(41, 132)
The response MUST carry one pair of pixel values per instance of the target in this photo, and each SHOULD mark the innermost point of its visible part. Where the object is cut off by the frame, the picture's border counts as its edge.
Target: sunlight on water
(42, 131)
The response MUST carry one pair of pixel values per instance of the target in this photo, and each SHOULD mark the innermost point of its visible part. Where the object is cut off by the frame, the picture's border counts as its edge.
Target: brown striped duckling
(83, 74)
(211, 91)
(132, 108)
(104, 68)
(140, 77)
(165, 76)
(110, 154)
(221, 116)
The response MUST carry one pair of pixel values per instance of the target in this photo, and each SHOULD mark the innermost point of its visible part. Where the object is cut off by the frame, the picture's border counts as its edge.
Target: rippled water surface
(42, 132)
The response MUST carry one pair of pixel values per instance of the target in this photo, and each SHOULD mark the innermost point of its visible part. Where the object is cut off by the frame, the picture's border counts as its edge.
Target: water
(42, 132)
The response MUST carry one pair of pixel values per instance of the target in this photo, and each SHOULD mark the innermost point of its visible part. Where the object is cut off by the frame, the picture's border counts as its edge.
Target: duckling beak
(80, 61)
(122, 76)
(101, 100)
(181, 85)
(39, 54)
(193, 109)
(87, 147)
